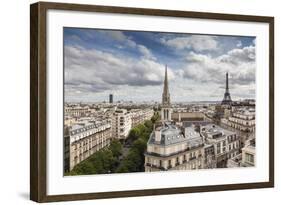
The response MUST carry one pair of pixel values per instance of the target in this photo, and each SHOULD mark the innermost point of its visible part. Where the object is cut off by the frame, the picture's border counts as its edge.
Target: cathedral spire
(166, 104)
(166, 94)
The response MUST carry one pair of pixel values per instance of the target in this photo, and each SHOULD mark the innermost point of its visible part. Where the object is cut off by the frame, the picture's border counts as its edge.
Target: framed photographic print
(135, 102)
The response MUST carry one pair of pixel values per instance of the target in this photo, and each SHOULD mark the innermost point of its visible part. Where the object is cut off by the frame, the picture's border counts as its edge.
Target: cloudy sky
(131, 65)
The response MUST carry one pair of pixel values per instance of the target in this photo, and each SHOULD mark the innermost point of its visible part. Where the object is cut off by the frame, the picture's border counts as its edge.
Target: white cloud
(131, 43)
(239, 44)
(240, 63)
(116, 35)
(127, 41)
(91, 71)
(145, 52)
(195, 42)
(239, 55)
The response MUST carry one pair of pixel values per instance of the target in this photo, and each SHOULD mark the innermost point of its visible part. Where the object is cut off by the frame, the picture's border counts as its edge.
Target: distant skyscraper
(227, 99)
(110, 98)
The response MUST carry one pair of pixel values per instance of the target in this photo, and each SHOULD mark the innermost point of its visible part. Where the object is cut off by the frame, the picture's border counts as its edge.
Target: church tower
(227, 99)
(166, 110)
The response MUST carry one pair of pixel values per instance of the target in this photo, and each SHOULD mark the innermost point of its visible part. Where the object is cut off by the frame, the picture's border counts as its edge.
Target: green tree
(108, 161)
(140, 145)
(155, 117)
(116, 148)
(148, 124)
(133, 135)
(102, 162)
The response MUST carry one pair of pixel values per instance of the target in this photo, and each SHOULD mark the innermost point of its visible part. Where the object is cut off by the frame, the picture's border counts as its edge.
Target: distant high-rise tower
(166, 109)
(226, 99)
(110, 98)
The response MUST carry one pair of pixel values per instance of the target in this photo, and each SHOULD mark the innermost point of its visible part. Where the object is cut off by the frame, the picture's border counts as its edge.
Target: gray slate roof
(170, 134)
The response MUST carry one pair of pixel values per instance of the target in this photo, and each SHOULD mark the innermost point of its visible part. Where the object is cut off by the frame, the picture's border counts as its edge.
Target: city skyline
(121, 140)
(131, 64)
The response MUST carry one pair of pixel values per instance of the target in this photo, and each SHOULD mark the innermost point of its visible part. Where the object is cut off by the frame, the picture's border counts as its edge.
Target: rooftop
(85, 125)
(195, 123)
(170, 134)
(194, 139)
(246, 111)
(213, 129)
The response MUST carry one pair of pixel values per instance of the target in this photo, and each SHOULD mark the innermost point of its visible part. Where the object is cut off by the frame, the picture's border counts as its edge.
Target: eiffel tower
(226, 99)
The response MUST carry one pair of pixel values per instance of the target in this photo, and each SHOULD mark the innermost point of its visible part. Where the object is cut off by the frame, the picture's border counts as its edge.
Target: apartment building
(84, 139)
(139, 116)
(221, 144)
(242, 119)
(76, 111)
(173, 148)
(121, 124)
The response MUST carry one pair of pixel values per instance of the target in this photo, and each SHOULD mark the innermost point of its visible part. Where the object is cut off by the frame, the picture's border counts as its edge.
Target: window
(218, 148)
(193, 166)
(156, 149)
(249, 158)
(192, 154)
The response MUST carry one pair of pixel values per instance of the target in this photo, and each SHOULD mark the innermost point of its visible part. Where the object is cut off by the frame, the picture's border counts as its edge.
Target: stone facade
(83, 140)
(140, 116)
(249, 153)
(226, 144)
(170, 148)
(241, 119)
(76, 111)
(121, 124)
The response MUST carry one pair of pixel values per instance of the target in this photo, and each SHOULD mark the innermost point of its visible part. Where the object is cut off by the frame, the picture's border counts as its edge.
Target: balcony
(192, 158)
(155, 166)
(162, 168)
(165, 155)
